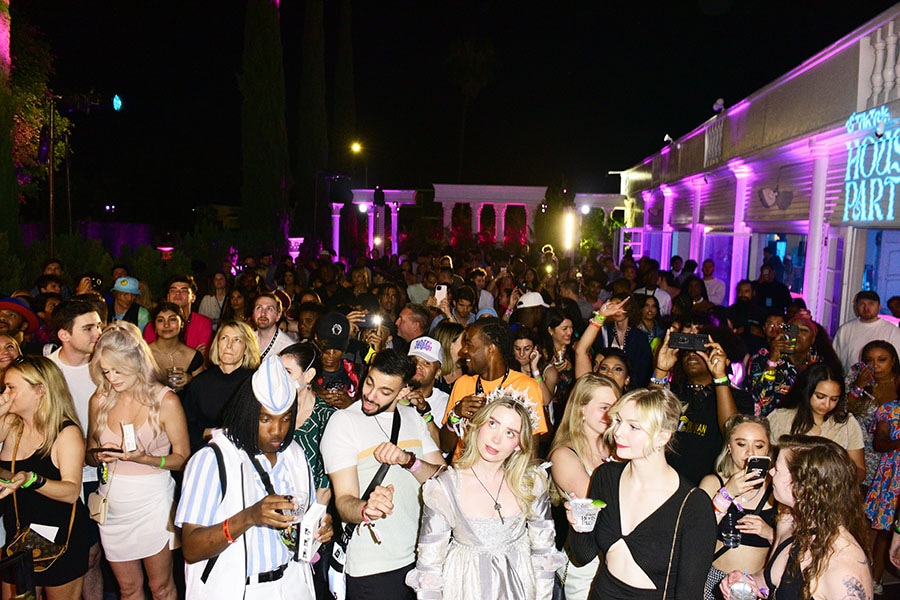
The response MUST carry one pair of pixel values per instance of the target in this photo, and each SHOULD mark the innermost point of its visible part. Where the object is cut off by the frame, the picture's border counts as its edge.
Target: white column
(813, 280)
(696, 226)
(379, 227)
(666, 227)
(336, 226)
(447, 208)
(500, 212)
(476, 218)
(889, 75)
(877, 72)
(395, 246)
(740, 249)
(370, 213)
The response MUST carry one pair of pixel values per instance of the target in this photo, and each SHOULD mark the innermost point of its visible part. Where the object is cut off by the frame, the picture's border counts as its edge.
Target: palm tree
(472, 64)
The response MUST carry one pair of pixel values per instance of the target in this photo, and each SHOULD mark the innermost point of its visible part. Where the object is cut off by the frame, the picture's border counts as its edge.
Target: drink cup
(741, 590)
(584, 513)
(731, 535)
(176, 377)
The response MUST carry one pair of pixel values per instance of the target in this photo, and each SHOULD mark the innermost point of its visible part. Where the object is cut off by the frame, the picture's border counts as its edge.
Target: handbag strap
(382, 470)
(674, 539)
(16, 502)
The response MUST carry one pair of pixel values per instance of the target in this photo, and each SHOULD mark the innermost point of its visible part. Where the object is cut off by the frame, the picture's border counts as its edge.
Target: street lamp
(357, 149)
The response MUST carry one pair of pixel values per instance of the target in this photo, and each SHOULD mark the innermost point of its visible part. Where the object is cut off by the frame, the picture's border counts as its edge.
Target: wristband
(897, 526)
(41, 480)
(535, 373)
(227, 533)
(724, 493)
(425, 410)
(453, 418)
(594, 323)
(664, 381)
(162, 462)
(410, 462)
(31, 480)
(764, 591)
(539, 378)
(856, 391)
(428, 417)
(416, 465)
(771, 364)
(365, 517)
(721, 381)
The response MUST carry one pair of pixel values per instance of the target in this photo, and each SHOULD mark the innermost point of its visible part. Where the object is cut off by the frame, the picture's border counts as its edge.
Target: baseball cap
(333, 331)
(127, 285)
(530, 300)
(427, 348)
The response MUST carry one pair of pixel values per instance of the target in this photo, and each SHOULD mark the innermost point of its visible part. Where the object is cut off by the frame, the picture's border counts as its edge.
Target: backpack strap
(223, 483)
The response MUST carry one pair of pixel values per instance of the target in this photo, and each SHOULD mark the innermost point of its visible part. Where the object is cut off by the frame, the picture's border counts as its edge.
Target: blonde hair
(122, 347)
(251, 350)
(658, 411)
(570, 433)
(55, 406)
(724, 465)
(520, 469)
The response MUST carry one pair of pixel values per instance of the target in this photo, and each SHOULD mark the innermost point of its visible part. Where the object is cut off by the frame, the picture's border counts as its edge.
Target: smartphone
(758, 465)
(371, 321)
(440, 292)
(113, 450)
(790, 335)
(688, 341)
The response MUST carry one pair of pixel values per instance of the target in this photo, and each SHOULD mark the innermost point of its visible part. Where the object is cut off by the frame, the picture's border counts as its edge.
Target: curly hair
(826, 499)
(122, 347)
(520, 468)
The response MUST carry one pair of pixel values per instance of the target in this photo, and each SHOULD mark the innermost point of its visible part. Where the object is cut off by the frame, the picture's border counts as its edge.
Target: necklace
(496, 499)
(269, 347)
(620, 343)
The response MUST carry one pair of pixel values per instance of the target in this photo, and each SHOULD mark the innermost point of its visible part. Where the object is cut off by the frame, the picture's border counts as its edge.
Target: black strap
(379, 475)
(223, 483)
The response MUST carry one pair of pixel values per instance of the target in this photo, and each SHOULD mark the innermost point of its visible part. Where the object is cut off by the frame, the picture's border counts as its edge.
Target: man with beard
(427, 399)
(355, 444)
(266, 315)
(17, 319)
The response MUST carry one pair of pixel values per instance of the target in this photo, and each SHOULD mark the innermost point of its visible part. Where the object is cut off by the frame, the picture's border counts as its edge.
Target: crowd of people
(437, 426)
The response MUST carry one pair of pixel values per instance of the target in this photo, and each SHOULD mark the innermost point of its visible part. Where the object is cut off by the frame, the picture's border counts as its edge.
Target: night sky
(582, 88)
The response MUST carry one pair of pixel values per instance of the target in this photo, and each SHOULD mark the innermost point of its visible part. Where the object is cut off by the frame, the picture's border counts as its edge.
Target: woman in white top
(817, 405)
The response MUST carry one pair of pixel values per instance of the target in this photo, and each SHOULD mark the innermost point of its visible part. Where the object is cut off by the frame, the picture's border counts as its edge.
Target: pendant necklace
(496, 500)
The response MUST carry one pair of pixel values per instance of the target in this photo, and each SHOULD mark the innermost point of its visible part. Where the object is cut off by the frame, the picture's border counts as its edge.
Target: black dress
(37, 508)
(650, 542)
(205, 397)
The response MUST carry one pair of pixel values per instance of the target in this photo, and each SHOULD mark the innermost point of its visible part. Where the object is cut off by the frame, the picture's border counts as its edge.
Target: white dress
(483, 559)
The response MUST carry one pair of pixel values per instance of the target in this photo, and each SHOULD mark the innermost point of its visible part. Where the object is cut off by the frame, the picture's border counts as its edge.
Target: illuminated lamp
(166, 252)
(585, 209)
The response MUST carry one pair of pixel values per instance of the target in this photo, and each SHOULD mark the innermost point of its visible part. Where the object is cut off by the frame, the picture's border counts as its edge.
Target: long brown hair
(826, 498)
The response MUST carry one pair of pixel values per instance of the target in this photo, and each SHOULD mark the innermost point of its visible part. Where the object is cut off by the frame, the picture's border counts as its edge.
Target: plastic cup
(741, 590)
(176, 377)
(584, 513)
(731, 535)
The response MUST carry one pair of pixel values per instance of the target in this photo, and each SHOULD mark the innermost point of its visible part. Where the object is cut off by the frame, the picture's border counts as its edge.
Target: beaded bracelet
(664, 381)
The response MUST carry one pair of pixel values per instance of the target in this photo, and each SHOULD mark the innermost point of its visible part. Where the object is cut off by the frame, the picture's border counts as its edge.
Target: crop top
(767, 514)
(650, 550)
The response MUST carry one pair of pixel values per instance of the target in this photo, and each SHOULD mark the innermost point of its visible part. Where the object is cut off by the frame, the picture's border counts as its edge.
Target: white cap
(530, 300)
(273, 387)
(427, 348)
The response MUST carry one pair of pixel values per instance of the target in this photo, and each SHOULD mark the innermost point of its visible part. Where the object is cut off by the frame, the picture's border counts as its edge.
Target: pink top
(197, 331)
(158, 446)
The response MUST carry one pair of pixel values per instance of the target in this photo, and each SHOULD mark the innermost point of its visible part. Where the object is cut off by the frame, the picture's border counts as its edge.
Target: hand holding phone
(440, 292)
(757, 467)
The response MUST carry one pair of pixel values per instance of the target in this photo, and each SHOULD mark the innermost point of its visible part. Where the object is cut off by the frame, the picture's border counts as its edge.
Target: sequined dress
(464, 558)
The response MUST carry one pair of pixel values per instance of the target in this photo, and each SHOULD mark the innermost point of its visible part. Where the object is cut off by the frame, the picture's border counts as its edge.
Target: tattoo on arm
(854, 589)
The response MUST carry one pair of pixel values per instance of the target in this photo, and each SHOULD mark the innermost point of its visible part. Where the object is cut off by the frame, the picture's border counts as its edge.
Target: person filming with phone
(741, 495)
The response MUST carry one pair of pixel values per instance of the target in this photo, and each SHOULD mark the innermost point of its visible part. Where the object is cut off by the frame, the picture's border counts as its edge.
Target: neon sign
(873, 167)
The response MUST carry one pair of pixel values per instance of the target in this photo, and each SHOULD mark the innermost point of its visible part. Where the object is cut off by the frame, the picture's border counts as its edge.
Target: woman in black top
(819, 537)
(656, 533)
(735, 491)
(234, 355)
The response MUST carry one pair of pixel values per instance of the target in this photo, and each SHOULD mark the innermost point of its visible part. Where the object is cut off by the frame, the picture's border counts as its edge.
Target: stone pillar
(667, 230)
(740, 248)
(697, 228)
(370, 212)
(336, 226)
(476, 218)
(395, 246)
(379, 228)
(500, 212)
(447, 208)
(813, 281)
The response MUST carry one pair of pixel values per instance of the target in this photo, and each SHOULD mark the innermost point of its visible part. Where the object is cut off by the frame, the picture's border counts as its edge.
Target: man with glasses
(182, 290)
(266, 315)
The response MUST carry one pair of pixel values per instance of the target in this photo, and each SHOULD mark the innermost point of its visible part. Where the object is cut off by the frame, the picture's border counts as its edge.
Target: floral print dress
(881, 500)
